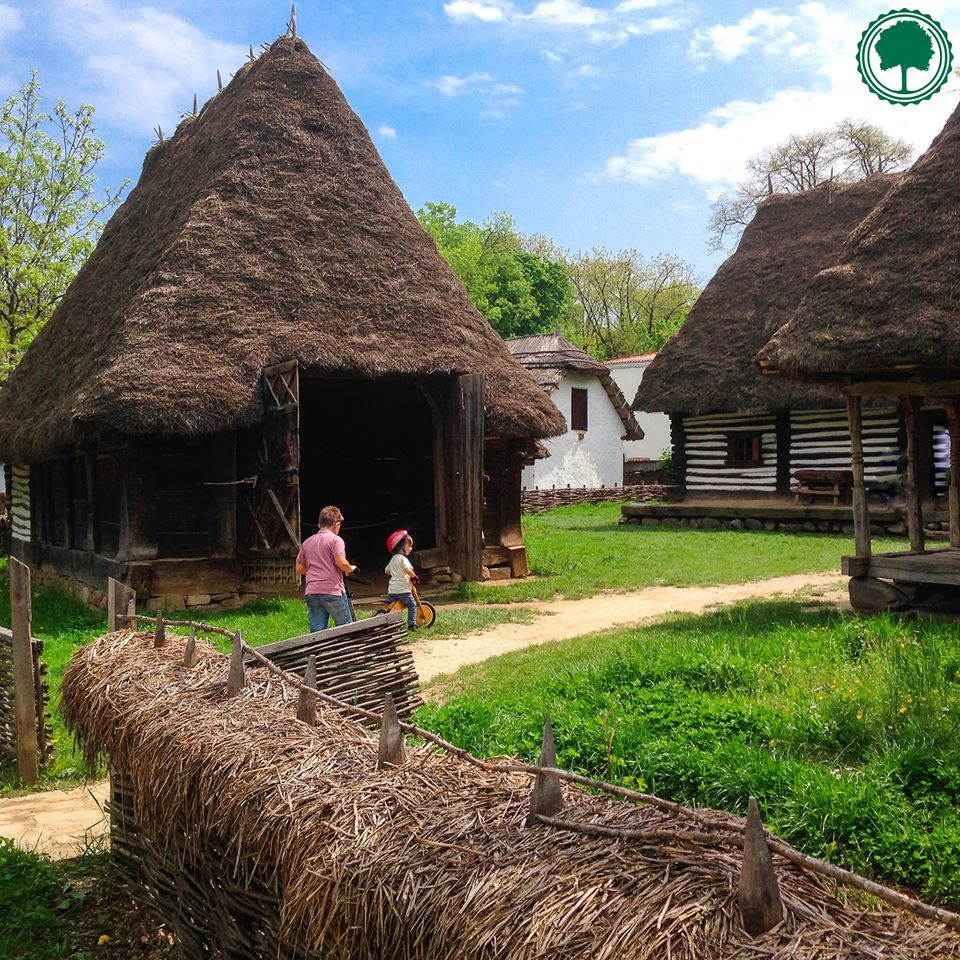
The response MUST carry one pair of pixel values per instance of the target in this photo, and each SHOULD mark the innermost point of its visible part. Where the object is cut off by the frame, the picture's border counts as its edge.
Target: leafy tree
(848, 152)
(49, 214)
(906, 44)
(519, 292)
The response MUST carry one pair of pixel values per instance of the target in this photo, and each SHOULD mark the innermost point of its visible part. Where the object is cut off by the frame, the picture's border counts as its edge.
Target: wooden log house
(734, 432)
(882, 322)
(265, 328)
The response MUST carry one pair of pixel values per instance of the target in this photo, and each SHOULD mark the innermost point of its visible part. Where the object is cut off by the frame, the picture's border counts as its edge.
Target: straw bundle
(428, 860)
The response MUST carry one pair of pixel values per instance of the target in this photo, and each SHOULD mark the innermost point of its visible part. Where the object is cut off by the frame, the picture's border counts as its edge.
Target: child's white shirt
(400, 570)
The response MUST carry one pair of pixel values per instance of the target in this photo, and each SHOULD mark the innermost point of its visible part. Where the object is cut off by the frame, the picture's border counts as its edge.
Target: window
(578, 409)
(745, 450)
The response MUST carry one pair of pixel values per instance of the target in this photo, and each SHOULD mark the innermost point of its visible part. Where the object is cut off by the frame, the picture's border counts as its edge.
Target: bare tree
(850, 151)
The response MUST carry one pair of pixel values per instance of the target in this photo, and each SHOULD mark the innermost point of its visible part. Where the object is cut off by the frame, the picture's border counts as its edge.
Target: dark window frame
(579, 409)
(745, 449)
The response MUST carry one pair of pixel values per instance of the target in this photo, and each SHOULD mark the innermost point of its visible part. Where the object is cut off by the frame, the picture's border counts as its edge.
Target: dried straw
(431, 859)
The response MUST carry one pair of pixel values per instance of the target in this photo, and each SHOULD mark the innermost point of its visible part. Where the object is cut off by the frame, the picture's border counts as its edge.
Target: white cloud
(473, 10)
(713, 152)
(729, 41)
(453, 86)
(11, 20)
(496, 98)
(384, 130)
(572, 19)
(146, 64)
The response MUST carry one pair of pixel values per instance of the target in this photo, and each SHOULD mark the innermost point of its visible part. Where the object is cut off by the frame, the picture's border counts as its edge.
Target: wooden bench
(822, 483)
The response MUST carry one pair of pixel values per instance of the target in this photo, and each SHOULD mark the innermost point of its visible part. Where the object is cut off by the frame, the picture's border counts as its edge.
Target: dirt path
(58, 821)
(574, 618)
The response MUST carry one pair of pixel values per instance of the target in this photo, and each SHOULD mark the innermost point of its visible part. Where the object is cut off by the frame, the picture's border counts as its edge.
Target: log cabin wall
(716, 455)
(820, 439)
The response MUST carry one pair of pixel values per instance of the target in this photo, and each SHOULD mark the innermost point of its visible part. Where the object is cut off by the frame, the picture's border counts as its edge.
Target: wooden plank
(861, 511)
(23, 680)
(464, 432)
(953, 490)
(384, 619)
(913, 509)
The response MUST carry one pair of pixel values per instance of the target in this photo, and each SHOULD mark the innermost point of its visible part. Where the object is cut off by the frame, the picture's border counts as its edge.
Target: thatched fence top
(431, 858)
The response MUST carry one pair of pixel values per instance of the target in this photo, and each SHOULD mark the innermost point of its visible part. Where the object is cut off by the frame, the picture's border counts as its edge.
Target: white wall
(594, 461)
(655, 426)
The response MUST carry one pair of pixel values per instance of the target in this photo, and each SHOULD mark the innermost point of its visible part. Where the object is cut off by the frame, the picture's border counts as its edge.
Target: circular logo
(904, 56)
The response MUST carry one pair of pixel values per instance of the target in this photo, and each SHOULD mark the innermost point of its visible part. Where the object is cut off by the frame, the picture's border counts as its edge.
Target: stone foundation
(538, 501)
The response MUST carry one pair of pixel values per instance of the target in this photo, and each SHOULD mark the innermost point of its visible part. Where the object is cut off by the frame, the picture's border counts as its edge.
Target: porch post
(861, 512)
(914, 511)
(953, 502)
(464, 435)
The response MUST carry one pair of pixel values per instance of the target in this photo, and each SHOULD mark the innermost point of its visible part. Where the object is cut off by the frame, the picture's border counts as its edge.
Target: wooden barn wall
(820, 439)
(706, 441)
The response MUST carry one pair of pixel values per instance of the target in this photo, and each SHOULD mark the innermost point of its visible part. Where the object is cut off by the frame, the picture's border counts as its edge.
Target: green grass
(844, 729)
(70, 910)
(581, 551)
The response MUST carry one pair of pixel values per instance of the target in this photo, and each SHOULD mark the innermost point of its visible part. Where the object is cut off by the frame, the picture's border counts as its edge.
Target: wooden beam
(23, 681)
(464, 434)
(861, 511)
(953, 493)
(899, 388)
(914, 510)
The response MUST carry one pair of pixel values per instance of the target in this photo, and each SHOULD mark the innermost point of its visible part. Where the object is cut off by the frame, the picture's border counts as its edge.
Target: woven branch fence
(256, 834)
(8, 719)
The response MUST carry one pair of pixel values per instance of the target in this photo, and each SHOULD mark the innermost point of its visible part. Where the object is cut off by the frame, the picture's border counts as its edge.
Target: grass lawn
(580, 551)
(845, 730)
(65, 624)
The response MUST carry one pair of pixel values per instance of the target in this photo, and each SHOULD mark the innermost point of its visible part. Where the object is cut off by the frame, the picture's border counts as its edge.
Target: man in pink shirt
(323, 559)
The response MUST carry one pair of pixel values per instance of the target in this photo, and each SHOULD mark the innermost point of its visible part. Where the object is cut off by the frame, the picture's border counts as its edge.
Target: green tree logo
(908, 40)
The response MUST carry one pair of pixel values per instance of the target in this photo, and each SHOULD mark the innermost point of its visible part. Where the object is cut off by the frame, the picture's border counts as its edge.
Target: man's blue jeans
(320, 606)
(407, 598)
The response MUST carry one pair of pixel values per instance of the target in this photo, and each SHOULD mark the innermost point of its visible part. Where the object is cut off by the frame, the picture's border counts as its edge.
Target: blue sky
(595, 122)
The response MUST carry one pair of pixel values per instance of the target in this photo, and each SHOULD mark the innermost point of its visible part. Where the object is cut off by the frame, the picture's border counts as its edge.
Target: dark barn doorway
(367, 447)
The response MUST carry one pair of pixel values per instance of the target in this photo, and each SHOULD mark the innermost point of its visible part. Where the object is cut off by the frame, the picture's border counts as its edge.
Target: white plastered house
(598, 416)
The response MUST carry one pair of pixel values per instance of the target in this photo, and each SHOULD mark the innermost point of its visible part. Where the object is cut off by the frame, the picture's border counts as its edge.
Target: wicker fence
(8, 716)
(257, 819)
(537, 500)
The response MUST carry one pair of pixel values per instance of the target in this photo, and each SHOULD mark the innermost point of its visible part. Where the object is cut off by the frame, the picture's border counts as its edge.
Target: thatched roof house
(883, 319)
(267, 235)
(731, 426)
(599, 419)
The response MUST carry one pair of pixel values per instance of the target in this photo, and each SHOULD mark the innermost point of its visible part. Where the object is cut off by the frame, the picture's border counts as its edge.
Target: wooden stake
(250, 55)
(190, 650)
(114, 605)
(861, 510)
(292, 25)
(237, 678)
(194, 104)
(131, 617)
(758, 893)
(23, 680)
(547, 797)
(160, 632)
(914, 510)
(219, 82)
(390, 753)
(307, 704)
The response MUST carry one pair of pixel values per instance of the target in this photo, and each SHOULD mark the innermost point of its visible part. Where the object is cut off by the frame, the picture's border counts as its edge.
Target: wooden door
(269, 506)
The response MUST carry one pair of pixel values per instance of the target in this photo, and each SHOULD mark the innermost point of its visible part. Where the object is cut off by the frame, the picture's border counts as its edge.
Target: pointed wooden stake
(250, 55)
(190, 650)
(307, 704)
(292, 25)
(236, 679)
(160, 632)
(194, 104)
(758, 893)
(391, 752)
(547, 796)
(219, 82)
(131, 614)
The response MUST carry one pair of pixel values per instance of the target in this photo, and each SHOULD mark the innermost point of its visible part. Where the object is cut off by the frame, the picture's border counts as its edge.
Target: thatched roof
(266, 228)
(430, 859)
(548, 356)
(888, 306)
(709, 364)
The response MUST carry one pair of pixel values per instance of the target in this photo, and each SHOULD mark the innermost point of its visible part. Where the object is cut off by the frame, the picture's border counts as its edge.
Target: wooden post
(953, 492)
(307, 704)
(23, 681)
(131, 617)
(861, 511)
(758, 893)
(464, 448)
(160, 631)
(236, 679)
(190, 650)
(547, 797)
(390, 752)
(914, 510)
(119, 597)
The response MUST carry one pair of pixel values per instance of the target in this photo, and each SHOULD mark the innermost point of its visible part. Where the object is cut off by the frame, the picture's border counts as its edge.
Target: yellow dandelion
(856, 679)
(902, 710)
(859, 716)
(104, 938)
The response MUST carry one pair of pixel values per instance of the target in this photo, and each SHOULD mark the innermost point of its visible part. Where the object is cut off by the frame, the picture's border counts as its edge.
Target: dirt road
(58, 820)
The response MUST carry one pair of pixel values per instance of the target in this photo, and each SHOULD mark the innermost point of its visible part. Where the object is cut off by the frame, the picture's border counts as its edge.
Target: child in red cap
(401, 573)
